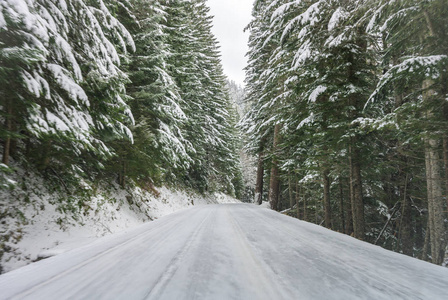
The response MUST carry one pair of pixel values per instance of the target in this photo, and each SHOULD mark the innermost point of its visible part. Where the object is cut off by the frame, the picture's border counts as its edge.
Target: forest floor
(231, 251)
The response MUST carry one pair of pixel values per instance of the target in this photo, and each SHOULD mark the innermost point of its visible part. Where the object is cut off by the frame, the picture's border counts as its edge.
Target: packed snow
(233, 251)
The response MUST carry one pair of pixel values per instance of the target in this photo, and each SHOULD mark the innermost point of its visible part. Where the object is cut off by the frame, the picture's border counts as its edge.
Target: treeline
(349, 117)
(116, 89)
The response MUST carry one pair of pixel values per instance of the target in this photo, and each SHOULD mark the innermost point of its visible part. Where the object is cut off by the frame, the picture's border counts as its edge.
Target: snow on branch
(420, 66)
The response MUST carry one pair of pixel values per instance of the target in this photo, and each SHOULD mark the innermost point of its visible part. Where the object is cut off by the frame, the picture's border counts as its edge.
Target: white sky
(230, 18)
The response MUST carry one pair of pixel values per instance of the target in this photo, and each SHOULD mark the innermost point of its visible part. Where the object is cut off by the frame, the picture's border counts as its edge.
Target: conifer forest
(134, 89)
(343, 120)
(349, 117)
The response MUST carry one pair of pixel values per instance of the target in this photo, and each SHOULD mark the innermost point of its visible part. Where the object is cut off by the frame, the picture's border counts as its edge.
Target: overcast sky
(230, 18)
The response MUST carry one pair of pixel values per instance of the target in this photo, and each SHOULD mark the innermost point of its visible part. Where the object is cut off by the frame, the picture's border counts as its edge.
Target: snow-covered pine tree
(291, 109)
(159, 153)
(195, 66)
(416, 49)
(248, 123)
(20, 53)
(260, 121)
(69, 90)
(220, 117)
(367, 85)
(186, 73)
(335, 80)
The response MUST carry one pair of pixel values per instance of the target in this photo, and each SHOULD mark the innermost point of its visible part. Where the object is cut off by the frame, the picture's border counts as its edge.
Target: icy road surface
(234, 251)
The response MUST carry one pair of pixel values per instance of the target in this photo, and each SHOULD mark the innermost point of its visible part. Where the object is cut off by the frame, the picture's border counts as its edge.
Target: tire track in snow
(163, 228)
(263, 274)
(331, 268)
(160, 285)
(227, 252)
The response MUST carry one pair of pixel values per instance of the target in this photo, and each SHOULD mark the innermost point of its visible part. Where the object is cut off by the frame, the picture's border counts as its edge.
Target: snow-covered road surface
(233, 251)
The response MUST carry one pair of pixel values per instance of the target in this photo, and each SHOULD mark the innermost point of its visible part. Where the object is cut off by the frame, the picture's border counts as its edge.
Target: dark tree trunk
(292, 199)
(406, 221)
(274, 186)
(445, 164)
(357, 201)
(298, 199)
(259, 184)
(406, 227)
(435, 201)
(341, 206)
(356, 187)
(327, 204)
(438, 234)
(434, 186)
(305, 208)
(349, 214)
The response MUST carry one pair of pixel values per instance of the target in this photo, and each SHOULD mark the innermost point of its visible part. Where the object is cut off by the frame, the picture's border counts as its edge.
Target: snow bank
(37, 223)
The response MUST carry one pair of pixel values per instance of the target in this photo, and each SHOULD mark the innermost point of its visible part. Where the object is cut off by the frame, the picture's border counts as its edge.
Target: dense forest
(349, 117)
(131, 91)
(344, 116)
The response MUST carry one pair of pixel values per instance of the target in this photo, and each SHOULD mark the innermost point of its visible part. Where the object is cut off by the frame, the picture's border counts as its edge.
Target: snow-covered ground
(37, 223)
(232, 251)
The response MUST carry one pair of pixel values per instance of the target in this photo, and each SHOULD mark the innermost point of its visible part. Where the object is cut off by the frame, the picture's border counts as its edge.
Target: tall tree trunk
(341, 206)
(8, 126)
(354, 100)
(327, 204)
(435, 201)
(298, 199)
(292, 200)
(445, 164)
(406, 221)
(349, 219)
(434, 188)
(259, 184)
(405, 230)
(305, 208)
(274, 185)
(438, 235)
(356, 187)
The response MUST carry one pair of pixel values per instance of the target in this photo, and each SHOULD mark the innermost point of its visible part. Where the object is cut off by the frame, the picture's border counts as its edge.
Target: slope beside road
(233, 251)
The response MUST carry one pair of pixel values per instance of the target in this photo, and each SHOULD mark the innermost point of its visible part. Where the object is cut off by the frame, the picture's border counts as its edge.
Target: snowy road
(233, 251)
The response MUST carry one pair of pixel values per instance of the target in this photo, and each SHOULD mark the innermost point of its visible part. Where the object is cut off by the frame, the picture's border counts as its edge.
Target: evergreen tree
(360, 85)
(416, 58)
(69, 90)
(160, 149)
(197, 72)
